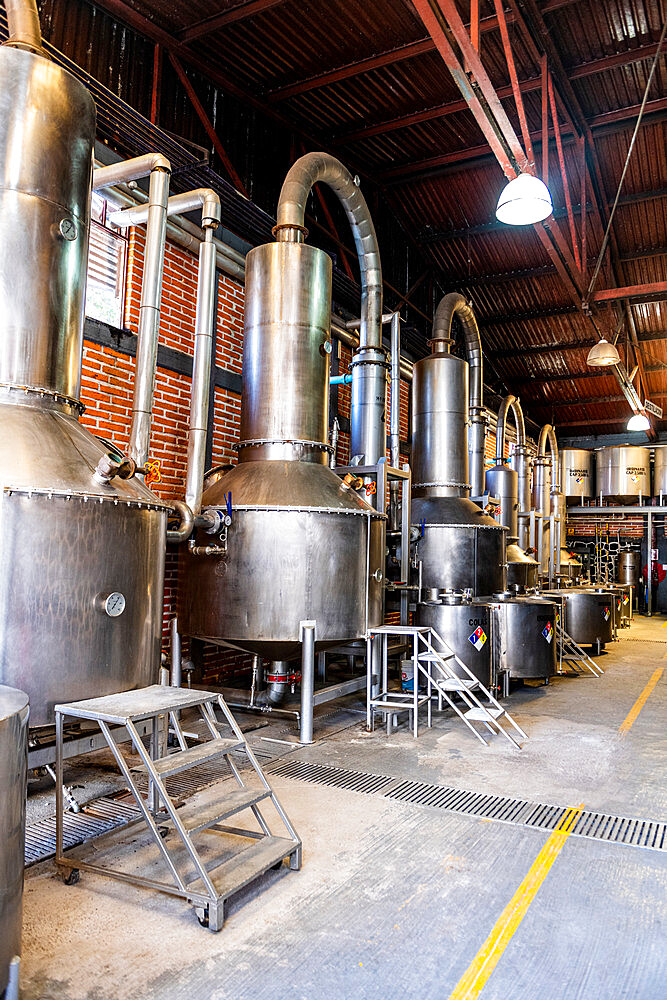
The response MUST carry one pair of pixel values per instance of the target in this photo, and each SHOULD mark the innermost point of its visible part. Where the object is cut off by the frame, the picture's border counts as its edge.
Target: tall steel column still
(450, 306)
(369, 365)
(395, 414)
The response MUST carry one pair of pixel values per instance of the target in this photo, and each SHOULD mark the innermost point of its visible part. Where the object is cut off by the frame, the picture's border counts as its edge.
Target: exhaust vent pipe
(24, 27)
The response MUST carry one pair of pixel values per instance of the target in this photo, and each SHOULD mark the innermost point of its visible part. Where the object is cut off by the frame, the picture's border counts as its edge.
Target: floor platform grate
(97, 817)
(649, 834)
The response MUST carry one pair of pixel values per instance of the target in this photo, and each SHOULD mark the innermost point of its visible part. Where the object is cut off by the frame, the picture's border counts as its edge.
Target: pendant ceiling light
(603, 355)
(639, 422)
(524, 201)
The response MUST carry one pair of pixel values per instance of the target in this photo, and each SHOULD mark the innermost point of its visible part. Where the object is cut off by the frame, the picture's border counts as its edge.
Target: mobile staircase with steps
(570, 654)
(445, 675)
(199, 875)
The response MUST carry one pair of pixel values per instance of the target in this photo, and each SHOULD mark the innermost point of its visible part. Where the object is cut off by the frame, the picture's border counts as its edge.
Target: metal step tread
(458, 684)
(400, 630)
(237, 872)
(482, 714)
(183, 759)
(140, 704)
(400, 706)
(435, 657)
(196, 817)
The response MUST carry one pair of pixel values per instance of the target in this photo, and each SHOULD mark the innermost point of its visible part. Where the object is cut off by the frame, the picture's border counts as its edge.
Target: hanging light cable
(605, 240)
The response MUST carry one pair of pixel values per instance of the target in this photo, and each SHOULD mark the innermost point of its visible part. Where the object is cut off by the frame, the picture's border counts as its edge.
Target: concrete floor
(395, 899)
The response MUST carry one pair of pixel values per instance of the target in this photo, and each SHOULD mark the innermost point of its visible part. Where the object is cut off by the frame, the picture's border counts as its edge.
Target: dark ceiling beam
(590, 422)
(230, 16)
(443, 235)
(526, 86)
(612, 121)
(654, 291)
(562, 347)
(588, 401)
(547, 380)
(507, 318)
(388, 58)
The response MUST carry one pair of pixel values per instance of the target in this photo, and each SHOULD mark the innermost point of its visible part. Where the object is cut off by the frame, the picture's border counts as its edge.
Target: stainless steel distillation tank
(460, 549)
(81, 547)
(512, 487)
(13, 768)
(300, 546)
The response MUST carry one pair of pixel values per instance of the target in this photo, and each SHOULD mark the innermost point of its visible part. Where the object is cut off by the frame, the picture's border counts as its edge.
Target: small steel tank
(577, 474)
(525, 636)
(13, 776)
(623, 473)
(629, 566)
(466, 628)
(589, 615)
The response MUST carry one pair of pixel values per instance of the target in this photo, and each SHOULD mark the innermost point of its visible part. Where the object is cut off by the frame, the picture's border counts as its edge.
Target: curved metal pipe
(182, 533)
(455, 304)
(24, 28)
(129, 170)
(509, 403)
(549, 434)
(322, 167)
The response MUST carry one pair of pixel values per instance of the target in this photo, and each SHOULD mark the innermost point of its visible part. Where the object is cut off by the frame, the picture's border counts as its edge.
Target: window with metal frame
(107, 268)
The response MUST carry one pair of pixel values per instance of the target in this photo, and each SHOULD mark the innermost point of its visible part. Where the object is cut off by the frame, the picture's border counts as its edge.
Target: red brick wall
(108, 380)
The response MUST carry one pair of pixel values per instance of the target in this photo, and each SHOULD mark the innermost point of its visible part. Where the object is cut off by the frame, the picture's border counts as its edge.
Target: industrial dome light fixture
(603, 355)
(639, 422)
(524, 201)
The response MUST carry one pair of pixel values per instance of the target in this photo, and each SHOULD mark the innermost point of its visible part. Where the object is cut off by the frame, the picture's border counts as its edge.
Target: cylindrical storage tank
(525, 637)
(589, 615)
(368, 418)
(629, 567)
(459, 546)
(503, 483)
(623, 473)
(302, 544)
(577, 474)
(13, 777)
(440, 460)
(466, 628)
(660, 472)
(82, 561)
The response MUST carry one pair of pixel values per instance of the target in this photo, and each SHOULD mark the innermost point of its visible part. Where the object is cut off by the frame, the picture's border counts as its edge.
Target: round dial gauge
(68, 229)
(114, 604)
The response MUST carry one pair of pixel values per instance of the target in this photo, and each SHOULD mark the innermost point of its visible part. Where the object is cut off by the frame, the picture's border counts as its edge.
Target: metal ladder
(571, 654)
(206, 885)
(435, 662)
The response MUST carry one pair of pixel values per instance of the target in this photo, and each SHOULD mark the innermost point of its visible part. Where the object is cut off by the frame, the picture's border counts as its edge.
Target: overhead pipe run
(208, 201)
(155, 217)
(369, 365)
(454, 304)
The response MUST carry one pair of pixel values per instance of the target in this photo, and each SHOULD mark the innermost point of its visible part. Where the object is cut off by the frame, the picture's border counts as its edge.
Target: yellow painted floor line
(478, 972)
(629, 720)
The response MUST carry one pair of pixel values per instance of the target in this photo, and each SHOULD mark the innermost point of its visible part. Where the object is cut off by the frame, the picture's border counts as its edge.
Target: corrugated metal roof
(295, 59)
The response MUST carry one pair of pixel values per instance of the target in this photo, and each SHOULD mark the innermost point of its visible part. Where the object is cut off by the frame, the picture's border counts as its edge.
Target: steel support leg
(307, 680)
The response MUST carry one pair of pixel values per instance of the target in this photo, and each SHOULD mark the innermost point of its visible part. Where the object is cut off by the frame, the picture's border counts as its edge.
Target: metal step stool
(213, 882)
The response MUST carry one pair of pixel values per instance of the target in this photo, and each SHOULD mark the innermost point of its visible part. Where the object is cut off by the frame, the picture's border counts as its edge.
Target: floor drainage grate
(96, 817)
(644, 833)
(336, 777)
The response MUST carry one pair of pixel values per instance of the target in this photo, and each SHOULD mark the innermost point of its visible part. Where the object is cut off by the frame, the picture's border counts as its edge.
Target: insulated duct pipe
(24, 28)
(454, 304)
(155, 218)
(519, 460)
(369, 365)
(208, 201)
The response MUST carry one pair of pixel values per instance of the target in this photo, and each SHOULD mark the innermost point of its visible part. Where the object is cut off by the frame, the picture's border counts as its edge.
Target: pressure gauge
(67, 229)
(112, 604)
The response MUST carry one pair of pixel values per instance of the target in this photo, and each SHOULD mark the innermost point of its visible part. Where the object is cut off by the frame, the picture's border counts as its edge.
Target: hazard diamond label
(605, 614)
(478, 638)
(548, 632)
(626, 599)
